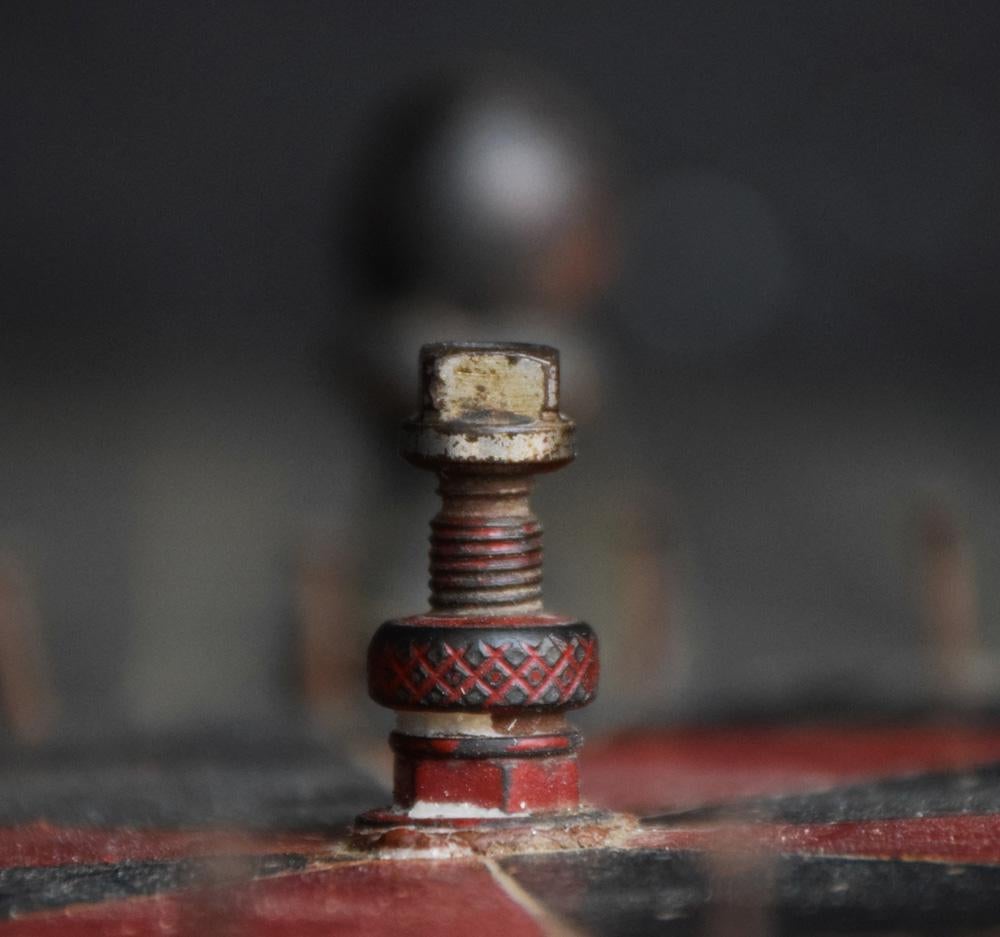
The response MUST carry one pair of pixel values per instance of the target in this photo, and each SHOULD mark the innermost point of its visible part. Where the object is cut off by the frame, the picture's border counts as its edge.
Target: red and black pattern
(845, 831)
(478, 669)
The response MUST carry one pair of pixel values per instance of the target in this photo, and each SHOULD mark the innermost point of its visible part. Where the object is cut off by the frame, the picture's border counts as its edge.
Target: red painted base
(508, 774)
(509, 785)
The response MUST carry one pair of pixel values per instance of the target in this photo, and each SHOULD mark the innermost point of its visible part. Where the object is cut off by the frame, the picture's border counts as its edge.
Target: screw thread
(486, 546)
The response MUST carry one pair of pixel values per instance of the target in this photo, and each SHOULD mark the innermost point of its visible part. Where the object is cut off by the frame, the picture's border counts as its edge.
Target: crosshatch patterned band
(546, 668)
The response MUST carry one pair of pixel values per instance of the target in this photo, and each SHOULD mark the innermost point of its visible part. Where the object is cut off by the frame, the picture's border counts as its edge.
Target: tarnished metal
(489, 404)
(488, 670)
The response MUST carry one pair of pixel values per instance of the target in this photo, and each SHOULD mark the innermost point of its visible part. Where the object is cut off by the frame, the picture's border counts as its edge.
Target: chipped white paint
(429, 810)
(488, 386)
(538, 443)
(490, 404)
(427, 852)
(429, 725)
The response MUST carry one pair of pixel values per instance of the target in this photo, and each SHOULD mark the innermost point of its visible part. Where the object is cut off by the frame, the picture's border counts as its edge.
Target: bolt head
(491, 404)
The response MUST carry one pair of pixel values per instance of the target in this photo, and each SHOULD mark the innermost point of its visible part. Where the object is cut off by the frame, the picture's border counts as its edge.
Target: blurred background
(764, 237)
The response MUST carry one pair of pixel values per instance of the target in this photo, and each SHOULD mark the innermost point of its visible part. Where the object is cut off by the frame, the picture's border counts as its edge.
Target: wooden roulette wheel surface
(753, 830)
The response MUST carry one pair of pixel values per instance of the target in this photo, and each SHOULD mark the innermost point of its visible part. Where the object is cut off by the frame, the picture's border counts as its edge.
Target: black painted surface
(254, 783)
(976, 791)
(23, 890)
(619, 893)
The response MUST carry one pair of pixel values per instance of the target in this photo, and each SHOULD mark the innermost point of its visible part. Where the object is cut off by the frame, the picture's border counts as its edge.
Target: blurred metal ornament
(487, 187)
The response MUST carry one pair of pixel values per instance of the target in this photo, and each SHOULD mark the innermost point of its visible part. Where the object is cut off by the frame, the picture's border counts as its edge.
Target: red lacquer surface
(415, 898)
(653, 772)
(43, 844)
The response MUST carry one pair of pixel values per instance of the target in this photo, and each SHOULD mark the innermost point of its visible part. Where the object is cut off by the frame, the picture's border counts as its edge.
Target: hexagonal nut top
(488, 403)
